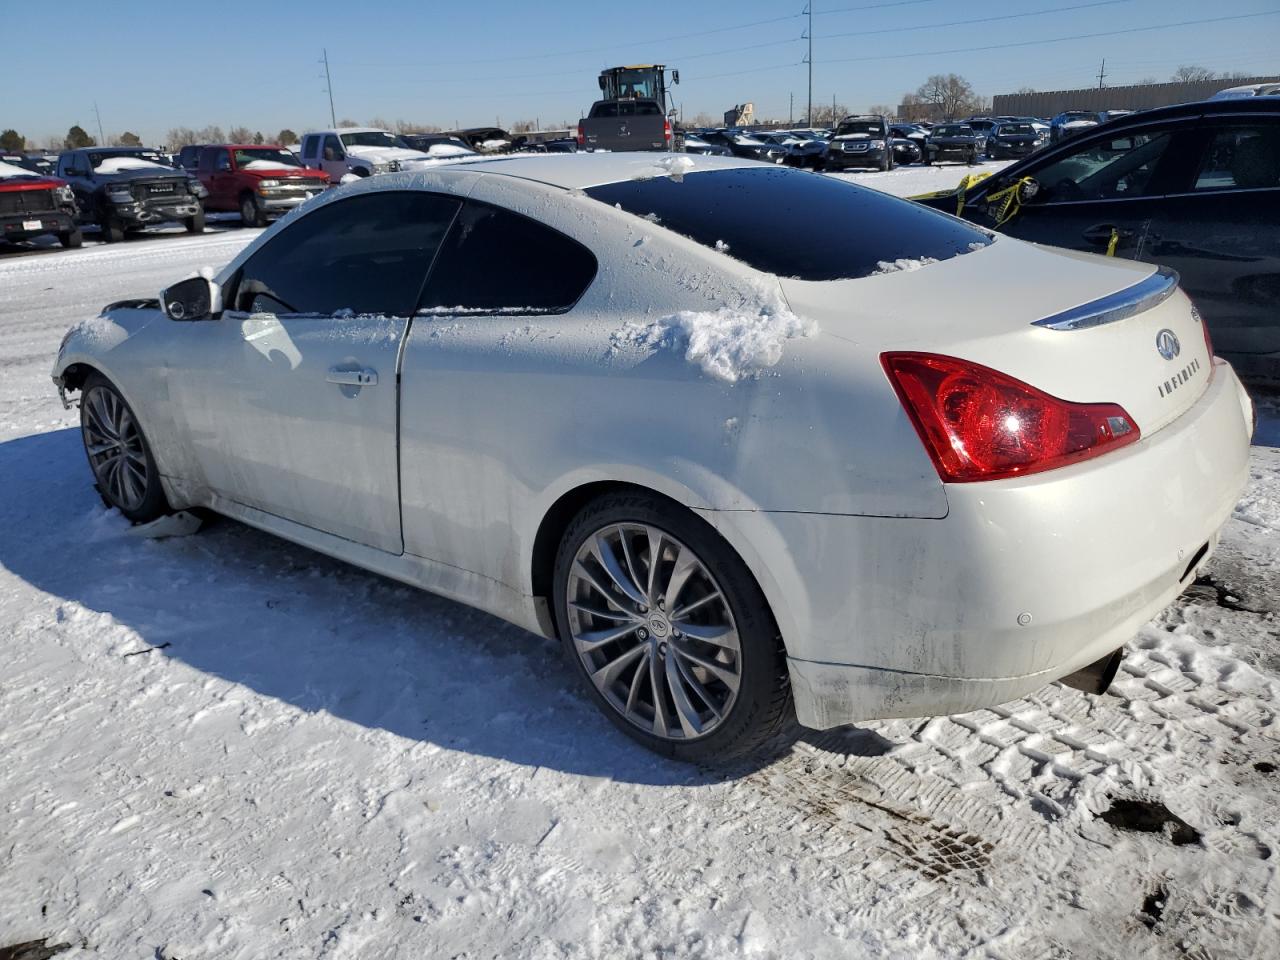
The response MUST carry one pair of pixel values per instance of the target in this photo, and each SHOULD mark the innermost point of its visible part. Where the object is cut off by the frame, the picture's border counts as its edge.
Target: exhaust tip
(1097, 676)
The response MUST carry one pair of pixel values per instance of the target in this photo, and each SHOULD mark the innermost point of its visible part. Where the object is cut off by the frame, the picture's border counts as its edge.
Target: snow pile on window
(730, 343)
(448, 150)
(8, 170)
(119, 164)
(674, 167)
(270, 165)
(904, 265)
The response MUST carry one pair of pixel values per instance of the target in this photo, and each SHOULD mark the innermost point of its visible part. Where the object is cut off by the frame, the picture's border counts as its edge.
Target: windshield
(132, 160)
(956, 131)
(749, 141)
(1016, 128)
(794, 224)
(868, 127)
(368, 138)
(271, 155)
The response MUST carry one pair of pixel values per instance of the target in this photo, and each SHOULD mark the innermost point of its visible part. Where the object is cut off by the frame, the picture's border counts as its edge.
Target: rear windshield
(952, 131)
(794, 224)
(859, 126)
(1021, 128)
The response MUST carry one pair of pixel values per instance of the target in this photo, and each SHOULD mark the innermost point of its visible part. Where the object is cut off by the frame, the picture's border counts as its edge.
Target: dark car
(953, 141)
(694, 143)
(32, 204)
(745, 145)
(860, 142)
(40, 165)
(561, 145)
(188, 157)
(982, 126)
(801, 151)
(1014, 138)
(444, 144)
(905, 151)
(1068, 123)
(1194, 187)
(485, 139)
(913, 132)
(128, 188)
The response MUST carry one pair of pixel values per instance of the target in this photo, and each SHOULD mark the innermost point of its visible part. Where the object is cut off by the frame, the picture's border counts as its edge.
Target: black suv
(128, 188)
(953, 141)
(860, 142)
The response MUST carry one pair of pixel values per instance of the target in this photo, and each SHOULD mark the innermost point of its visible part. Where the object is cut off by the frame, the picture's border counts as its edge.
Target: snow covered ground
(226, 746)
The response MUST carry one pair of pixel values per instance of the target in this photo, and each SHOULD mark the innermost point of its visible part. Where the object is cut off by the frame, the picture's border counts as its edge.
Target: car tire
(71, 238)
(720, 694)
(119, 455)
(112, 230)
(251, 214)
(195, 224)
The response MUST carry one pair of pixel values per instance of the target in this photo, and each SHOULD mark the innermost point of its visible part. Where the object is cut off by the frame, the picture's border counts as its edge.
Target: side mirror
(197, 298)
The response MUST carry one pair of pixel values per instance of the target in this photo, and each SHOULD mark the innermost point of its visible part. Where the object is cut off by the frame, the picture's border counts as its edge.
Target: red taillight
(980, 424)
(666, 129)
(582, 137)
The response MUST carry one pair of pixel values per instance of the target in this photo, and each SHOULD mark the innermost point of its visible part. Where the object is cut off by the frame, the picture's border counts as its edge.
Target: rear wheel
(195, 224)
(118, 453)
(668, 629)
(71, 238)
(112, 230)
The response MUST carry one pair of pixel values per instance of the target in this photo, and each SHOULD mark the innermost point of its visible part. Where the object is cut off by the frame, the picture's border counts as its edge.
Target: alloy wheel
(654, 631)
(115, 447)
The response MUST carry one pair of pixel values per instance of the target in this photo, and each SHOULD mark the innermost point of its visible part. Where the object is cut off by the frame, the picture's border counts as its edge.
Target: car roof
(1196, 108)
(575, 171)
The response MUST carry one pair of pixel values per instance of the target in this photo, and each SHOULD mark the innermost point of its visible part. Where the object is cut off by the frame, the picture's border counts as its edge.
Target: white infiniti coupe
(728, 430)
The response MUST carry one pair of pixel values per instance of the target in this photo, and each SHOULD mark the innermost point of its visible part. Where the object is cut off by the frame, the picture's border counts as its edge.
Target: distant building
(1138, 96)
(742, 115)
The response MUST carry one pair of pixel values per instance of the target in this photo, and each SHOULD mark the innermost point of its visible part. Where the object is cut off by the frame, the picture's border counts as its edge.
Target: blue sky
(153, 65)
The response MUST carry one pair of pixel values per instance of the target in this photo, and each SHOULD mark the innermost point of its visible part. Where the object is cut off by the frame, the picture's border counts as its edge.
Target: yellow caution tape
(1004, 204)
(1113, 242)
(958, 192)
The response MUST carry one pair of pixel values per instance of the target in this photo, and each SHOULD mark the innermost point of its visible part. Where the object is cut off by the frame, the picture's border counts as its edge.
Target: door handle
(1102, 233)
(353, 378)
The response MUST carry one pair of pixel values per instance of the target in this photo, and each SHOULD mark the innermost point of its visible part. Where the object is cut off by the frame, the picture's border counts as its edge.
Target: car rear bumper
(22, 226)
(1024, 581)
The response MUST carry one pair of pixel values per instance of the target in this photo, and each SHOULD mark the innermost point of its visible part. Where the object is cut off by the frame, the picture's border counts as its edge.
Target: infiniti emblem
(1167, 343)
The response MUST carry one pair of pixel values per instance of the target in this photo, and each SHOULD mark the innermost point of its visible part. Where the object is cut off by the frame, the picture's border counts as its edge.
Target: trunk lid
(1082, 327)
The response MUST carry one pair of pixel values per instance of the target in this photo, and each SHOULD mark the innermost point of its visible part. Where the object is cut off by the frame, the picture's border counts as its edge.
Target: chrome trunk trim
(1144, 295)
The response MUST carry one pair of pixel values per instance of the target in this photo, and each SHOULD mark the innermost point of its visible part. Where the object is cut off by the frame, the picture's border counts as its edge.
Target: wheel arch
(556, 519)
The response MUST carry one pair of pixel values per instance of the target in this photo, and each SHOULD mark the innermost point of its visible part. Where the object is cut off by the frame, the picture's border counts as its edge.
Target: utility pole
(102, 140)
(328, 86)
(809, 59)
(1102, 72)
(791, 110)
(834, 119)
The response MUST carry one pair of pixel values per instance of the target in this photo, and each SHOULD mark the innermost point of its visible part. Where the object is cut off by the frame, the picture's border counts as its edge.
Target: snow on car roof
(575, 171)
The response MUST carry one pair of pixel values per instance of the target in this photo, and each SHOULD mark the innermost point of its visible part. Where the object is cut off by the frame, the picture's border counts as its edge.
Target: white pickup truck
(363, 151)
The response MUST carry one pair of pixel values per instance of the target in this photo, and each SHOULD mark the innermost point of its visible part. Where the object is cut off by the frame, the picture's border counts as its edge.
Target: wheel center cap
(658, 626)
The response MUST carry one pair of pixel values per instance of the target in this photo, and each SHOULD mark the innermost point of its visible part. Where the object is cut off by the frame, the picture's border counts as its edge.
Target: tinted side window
(1241, 158)
(498, 260)
(1112, 167)
(794, 224)
(607, 109)
(367, 254)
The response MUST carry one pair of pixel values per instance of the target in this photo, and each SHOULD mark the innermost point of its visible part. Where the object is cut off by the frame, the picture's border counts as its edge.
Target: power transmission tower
(328, 87)
(1102, 72)
(808, 10)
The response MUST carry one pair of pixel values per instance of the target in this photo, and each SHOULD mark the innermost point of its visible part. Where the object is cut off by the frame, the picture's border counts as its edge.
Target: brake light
(979, 424)
(582, 137)
(666, 129)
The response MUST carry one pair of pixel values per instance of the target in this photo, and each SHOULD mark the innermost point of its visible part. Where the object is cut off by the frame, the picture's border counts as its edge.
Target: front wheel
(118, 453)
(71, 238)
(112, 230)
(669, 630)
(251, 214)
(195, 224)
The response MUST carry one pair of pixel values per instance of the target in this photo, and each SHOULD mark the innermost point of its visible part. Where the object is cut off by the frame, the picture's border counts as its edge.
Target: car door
(1099, 190)
(483, 341)
(216, 167)
(74, 168)
(290, 396)
(1221, 232)
(333, 158)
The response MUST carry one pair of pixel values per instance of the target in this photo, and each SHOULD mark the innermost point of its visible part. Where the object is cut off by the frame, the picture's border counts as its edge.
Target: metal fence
(1139, 96)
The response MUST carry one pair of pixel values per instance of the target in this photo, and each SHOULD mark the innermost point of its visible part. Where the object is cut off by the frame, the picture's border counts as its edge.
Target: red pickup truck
(32, 204)
(258, 181)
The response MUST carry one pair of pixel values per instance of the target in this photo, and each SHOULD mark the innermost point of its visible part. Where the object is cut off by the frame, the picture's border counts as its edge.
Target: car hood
(156, 173)
(386, 154)
(284, 173)
(33, 182)
(859, 136)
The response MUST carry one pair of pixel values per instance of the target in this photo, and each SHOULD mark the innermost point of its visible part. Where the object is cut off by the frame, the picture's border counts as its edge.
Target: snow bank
(118, 164)
(8, 170)
(729, 343)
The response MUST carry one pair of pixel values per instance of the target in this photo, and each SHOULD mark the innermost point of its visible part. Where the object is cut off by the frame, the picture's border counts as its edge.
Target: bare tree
(381, 123)
(1025, 90)
(704, 119)
(258, 137)
(1190, 72)
(523, 126)
(345, 122)
(210, 134)
(950, 95)
(181, 137)
(882, 110)
(240, 134)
